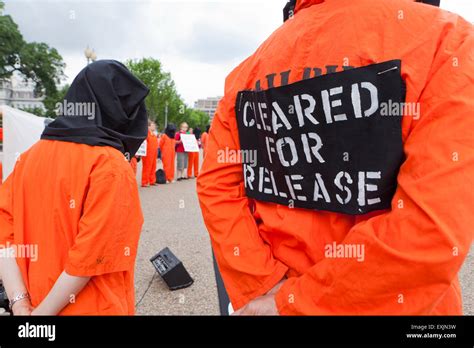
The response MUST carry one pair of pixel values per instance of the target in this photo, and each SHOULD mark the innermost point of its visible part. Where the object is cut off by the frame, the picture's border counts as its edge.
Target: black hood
(197, 133)
(116, 114)
(431, 2)
(289, 10)
(170, 130)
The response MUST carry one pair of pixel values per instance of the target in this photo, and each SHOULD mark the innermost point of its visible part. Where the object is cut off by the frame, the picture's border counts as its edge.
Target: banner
(189, 142)
(142, 150)
(329, 143)
(21, 130)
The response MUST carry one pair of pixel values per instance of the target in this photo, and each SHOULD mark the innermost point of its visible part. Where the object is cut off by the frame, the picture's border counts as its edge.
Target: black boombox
(172, 270)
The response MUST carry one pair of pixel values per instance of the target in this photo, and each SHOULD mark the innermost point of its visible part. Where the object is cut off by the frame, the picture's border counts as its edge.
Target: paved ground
(173, 219)
(467, 283)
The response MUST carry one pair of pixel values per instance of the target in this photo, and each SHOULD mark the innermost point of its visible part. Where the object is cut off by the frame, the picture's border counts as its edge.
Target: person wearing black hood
(73, 195)
(168, 152)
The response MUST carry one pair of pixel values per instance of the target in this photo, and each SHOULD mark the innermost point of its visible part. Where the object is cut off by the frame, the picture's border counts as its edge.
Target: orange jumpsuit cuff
(270, 282)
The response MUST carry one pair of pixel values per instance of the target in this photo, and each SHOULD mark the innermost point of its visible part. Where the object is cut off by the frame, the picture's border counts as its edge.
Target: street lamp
(90, 55)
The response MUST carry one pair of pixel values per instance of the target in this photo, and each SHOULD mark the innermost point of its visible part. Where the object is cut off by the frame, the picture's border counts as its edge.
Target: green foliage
(36, 61)
(51, 100)
(163, 95)
(197, 119)
(162, 88)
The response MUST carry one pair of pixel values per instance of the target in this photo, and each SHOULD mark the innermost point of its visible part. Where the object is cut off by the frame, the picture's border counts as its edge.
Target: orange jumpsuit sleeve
(245, 261)
(423, 241)
(6, 211)
(109, 228)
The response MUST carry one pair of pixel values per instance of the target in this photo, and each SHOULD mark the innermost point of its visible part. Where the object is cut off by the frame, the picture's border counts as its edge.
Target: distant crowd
(178, 164)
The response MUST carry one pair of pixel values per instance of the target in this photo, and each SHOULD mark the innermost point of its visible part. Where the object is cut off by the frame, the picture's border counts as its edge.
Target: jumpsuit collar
(302, 4)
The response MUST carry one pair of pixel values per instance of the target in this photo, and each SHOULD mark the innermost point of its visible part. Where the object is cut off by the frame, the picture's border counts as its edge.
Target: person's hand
(22, 308)
(264, 305)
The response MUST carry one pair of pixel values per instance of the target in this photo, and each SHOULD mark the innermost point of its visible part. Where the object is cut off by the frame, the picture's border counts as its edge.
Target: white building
(209, 106)
(17, 93)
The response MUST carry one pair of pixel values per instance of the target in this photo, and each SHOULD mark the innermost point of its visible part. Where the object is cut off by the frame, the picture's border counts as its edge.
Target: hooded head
(103, 107)
(170, 130)
(197, 133)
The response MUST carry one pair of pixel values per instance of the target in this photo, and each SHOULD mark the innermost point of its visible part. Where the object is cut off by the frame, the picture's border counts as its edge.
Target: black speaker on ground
(172, 270)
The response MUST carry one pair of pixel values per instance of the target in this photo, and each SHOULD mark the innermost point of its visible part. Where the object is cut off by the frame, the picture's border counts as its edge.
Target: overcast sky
(198, 41)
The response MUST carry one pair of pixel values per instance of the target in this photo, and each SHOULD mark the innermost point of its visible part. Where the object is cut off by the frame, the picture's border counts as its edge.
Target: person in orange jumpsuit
(149, 161)
(322, 76)
(1, 165)
(168, 153)
(204, 140)
(193, 157)
(72, 203)
(134, 164)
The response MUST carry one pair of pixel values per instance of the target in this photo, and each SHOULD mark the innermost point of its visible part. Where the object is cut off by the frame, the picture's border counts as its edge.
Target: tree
(33, 61)
(162, 88)
(51, 100)
(163, 95)
(196, 118)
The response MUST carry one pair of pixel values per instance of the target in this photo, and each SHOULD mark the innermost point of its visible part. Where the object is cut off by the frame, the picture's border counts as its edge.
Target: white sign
(190, 143)
(21, 130)
(142, 150)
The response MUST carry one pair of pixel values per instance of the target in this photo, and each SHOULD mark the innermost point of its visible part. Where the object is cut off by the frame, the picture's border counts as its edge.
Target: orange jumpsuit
(1, 166)
(149, 161)
(193, 164)
(204, 139)
(168, 154)
(134, 164)
(79, 205)
(414, 251)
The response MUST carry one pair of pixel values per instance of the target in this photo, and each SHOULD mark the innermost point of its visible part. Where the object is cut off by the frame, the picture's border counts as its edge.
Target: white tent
(20, 131)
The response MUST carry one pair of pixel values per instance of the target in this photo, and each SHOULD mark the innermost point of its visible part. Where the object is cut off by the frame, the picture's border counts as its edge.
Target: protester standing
(168, 152)
(181, 154)
(193, 157)
(414, 244)
(74, 195)
(149, 161)
(204, 140)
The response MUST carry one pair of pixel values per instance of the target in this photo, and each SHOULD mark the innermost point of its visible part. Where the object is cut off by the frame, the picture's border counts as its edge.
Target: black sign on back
(323, 143)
